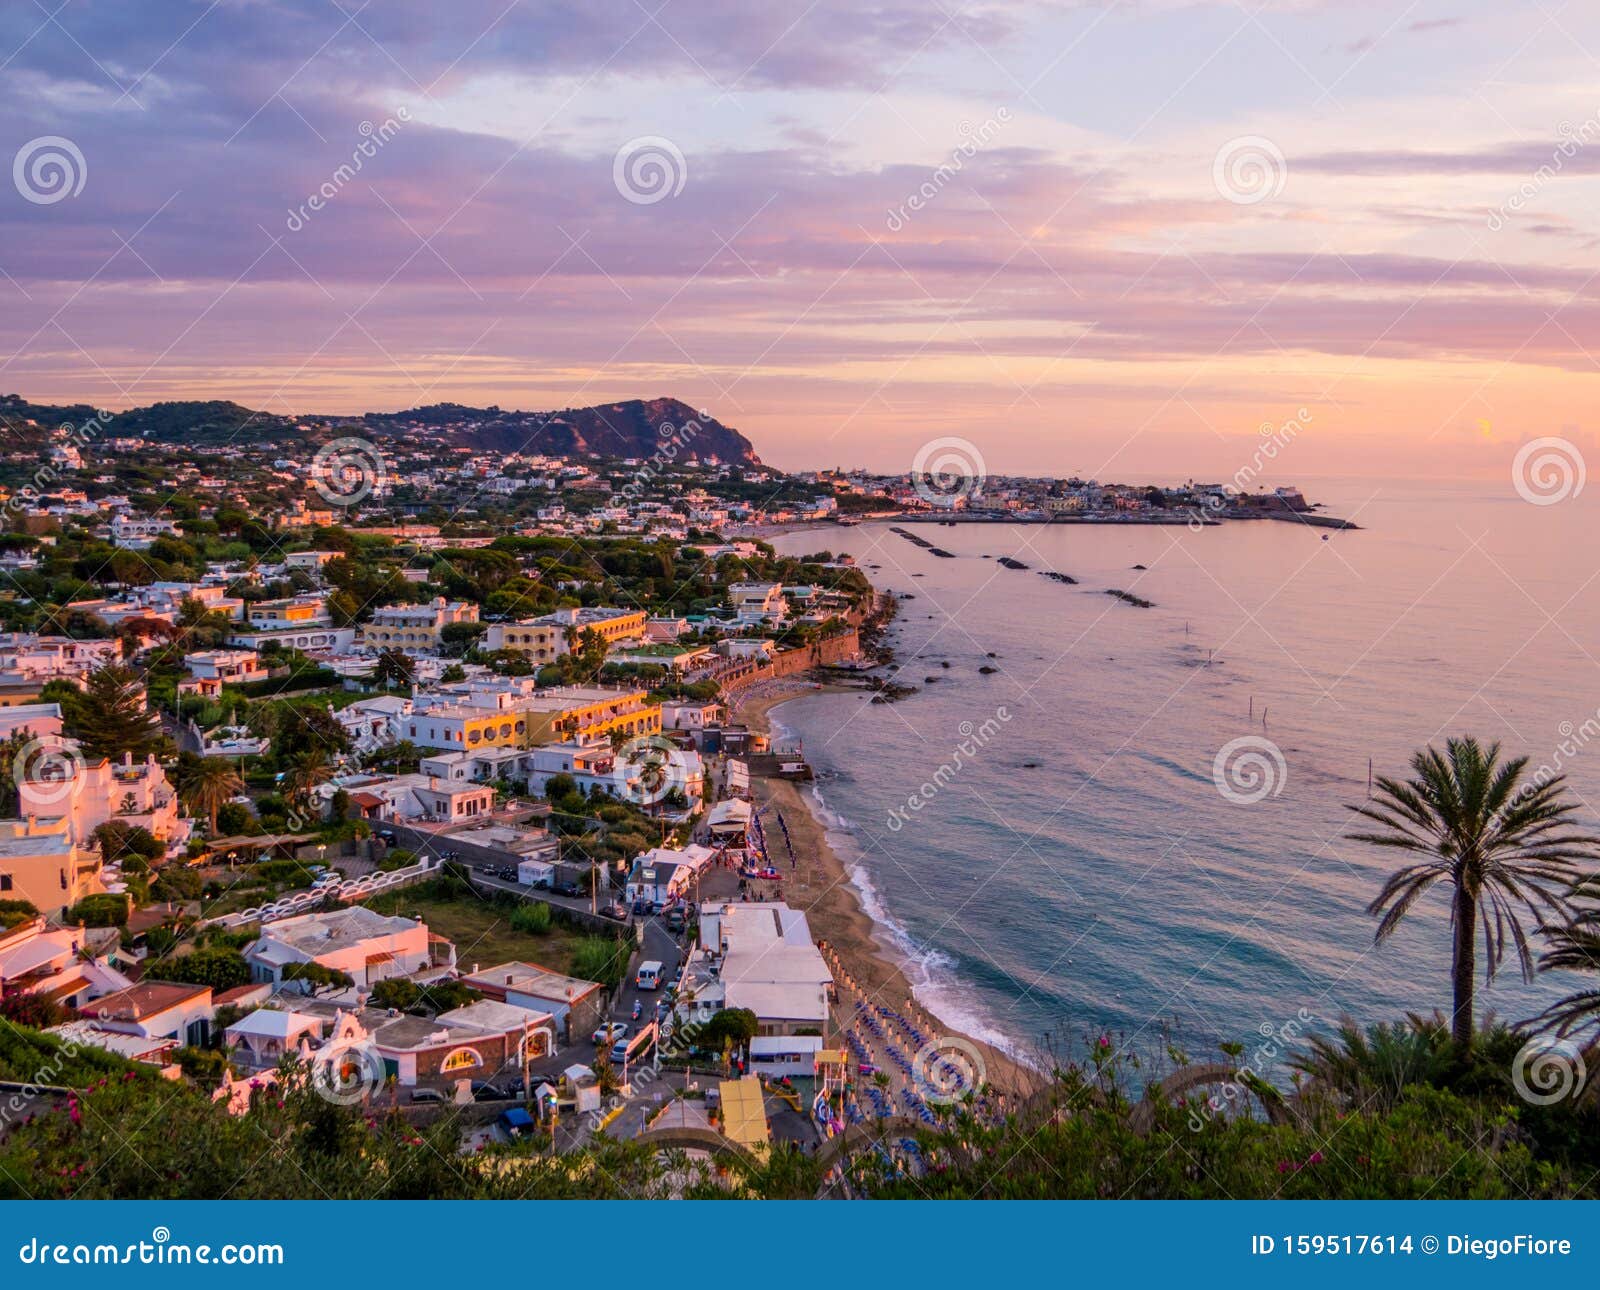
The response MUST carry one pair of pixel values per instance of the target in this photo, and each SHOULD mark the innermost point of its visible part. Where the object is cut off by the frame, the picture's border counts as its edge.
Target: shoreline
(834, 906)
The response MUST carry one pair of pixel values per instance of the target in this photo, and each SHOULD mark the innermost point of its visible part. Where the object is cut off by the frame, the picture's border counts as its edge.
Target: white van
(649, 977)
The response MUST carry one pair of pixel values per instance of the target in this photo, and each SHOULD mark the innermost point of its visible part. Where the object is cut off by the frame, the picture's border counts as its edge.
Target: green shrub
(100, 911)
(532, 918)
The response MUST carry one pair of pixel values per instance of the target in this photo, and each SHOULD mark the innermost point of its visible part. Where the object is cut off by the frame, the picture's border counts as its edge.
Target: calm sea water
(1083, 871)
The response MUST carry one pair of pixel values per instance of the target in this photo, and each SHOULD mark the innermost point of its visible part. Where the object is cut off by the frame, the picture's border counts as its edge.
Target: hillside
(629, 429)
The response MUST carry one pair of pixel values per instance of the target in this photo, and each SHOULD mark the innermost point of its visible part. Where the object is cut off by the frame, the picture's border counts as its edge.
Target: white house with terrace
(367, 946)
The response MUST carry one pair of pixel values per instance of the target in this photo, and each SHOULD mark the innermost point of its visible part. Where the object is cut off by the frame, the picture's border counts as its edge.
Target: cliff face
(631, 429)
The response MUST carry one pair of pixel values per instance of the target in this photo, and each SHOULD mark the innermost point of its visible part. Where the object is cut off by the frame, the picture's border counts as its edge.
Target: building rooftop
(146, 1000)
(531, 979)
(340, 929)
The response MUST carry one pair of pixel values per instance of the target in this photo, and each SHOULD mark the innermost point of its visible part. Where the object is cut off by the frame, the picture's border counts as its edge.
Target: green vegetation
(217, 966)
(109, 718)
(100, 911)
(423, 1000)
(481, 928)
(602, 960)
(1504, 848)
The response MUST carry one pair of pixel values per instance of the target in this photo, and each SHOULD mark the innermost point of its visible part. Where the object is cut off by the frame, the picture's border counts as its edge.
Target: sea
(1136, 823)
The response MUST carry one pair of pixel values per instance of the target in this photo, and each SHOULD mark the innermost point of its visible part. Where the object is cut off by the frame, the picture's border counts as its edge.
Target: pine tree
(112, 718)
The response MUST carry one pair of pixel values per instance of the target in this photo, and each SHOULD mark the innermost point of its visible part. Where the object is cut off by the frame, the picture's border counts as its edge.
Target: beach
(866, 963)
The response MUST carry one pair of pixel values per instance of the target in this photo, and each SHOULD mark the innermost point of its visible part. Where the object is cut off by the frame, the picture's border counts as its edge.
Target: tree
(396, 993)
(100, 911)
(738, 1025)
(13, 913)
(318, 977)
(308, 770)
(1502, 847)
(394, 668)
(36, 1010)
(112, 718)
(205, 784)
(129, 845)
(1574, 947)
(218, 966)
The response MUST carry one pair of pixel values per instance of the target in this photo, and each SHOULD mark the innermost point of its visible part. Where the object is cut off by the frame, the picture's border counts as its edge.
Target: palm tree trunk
(1464, 968)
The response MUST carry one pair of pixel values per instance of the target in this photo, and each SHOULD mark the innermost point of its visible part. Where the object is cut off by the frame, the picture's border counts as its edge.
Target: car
(386, 836)
(641, 906)
(610, 1033)
(676, 921)
(618, 911)
(619, 1052)
(482, 1091)
(567, 889)
(426, 1095)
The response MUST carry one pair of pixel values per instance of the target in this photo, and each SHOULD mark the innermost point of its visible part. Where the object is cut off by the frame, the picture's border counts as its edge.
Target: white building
(369, 947)
(89, 794)
(768, 963)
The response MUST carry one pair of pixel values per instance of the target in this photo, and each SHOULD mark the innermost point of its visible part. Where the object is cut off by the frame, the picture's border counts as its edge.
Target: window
(462, 1059)
(5, 882)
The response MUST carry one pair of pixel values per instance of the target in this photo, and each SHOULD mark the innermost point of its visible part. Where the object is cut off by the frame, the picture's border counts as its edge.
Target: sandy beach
(868, 967)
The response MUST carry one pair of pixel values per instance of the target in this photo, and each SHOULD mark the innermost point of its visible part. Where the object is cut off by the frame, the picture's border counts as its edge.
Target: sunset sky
(1087, 288)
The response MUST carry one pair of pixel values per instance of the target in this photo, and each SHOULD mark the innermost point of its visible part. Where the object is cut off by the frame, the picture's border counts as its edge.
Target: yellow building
(460, 726)
(40, 864)
(544, 639)
(540, 642)
(589, 714)
(416, 629)
(296, 611)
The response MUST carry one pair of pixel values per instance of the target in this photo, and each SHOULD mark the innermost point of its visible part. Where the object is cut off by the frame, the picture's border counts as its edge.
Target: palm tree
(1575, 947)
(206, 784)
(307, 770)
(1501, 846)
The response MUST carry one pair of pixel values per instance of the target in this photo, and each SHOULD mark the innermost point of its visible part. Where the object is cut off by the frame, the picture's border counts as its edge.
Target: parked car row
(482, 1091)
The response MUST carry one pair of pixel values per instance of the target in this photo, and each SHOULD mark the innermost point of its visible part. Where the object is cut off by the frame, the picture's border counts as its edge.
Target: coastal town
(441, 790)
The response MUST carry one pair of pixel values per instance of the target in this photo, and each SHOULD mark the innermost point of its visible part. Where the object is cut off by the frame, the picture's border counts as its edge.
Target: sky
(1118, 240)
